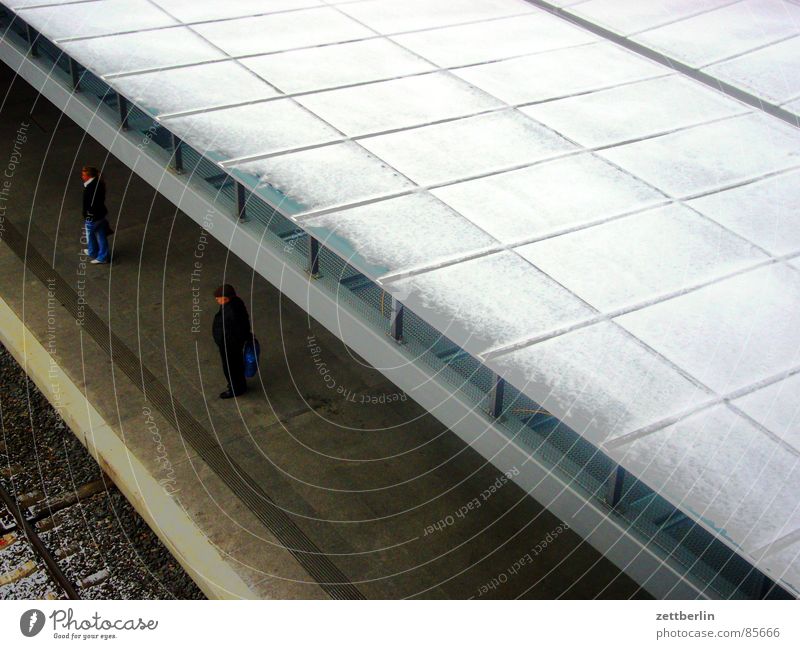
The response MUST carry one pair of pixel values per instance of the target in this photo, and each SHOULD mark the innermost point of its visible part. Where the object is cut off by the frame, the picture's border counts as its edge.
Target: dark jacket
(231, 327)
(94, 201)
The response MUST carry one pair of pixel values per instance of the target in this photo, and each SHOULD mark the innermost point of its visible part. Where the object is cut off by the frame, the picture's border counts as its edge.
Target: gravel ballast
(107, 550)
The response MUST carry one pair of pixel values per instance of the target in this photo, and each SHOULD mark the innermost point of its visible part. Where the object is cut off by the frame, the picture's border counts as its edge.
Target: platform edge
(184, 540)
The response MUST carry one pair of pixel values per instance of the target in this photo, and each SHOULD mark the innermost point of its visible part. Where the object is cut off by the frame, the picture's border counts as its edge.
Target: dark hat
(226, 290)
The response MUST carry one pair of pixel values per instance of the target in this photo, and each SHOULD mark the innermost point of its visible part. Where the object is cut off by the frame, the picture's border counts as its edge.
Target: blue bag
(252, 350)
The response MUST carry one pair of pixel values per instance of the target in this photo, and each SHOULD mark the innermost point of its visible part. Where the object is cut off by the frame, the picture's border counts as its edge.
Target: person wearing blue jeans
(95, 225)
(96, 241)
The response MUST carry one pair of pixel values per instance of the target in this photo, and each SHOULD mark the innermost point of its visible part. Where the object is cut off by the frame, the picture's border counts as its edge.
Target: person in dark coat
(95, 224)
(231, 331)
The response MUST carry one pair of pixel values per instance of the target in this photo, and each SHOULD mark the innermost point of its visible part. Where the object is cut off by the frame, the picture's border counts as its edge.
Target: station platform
(323, 480)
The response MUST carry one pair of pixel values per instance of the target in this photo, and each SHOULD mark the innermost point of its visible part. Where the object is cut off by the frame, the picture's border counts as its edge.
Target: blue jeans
(96, 241)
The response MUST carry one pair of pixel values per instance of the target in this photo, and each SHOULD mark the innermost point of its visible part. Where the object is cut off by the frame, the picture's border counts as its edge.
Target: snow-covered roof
(753, 45)
(616, 239)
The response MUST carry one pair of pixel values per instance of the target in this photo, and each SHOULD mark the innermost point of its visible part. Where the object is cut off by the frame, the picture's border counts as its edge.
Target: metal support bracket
(765, 587)
(124, 109)
(75, 73)
(32, 36)
(496, 394)
(177, 154)
(396, 321)
(241, 201)
(614, 490)
(313, 257)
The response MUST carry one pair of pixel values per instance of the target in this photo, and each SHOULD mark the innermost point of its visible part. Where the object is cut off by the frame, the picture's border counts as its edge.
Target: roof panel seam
(757, 48)
(377, 37)
(218, 48)
(725, 400)
(418, 270)
(700, 516)
(284, 11)
(777, 545)
(446, 120)
(611, 315)
(664, 59)
(702, 12)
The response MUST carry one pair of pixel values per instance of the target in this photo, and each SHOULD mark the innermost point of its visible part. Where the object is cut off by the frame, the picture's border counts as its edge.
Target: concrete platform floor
(368, 483)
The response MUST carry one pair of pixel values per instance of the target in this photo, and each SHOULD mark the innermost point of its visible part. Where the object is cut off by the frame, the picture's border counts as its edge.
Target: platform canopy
(617, 239)
(753, 45)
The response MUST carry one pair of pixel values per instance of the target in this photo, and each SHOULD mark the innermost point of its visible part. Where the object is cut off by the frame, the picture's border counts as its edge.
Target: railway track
(23, 530)
(66, 531)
